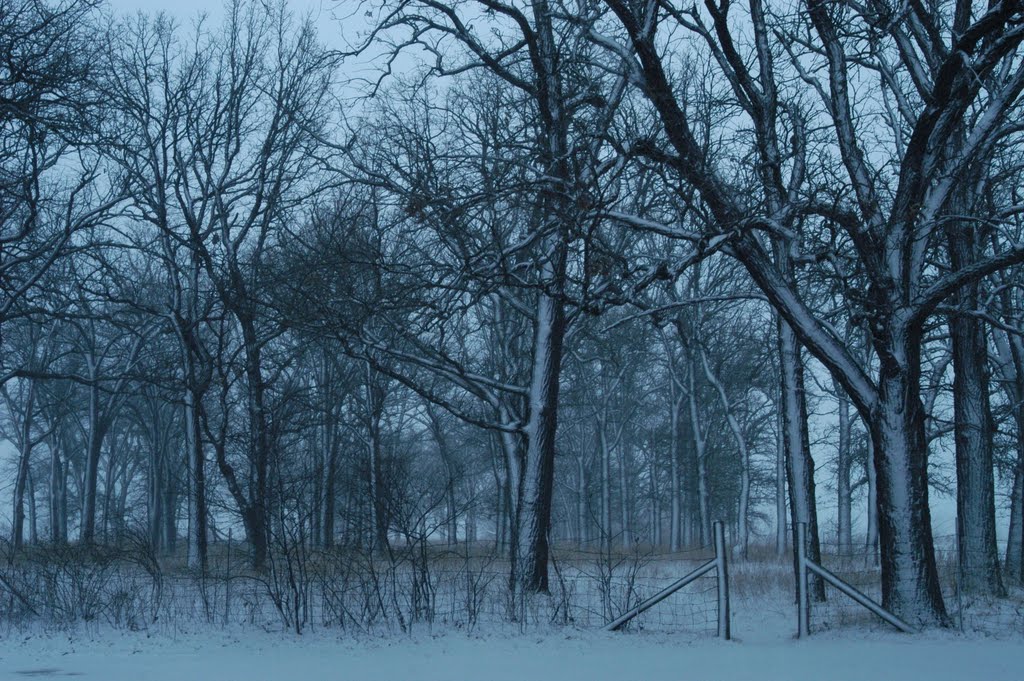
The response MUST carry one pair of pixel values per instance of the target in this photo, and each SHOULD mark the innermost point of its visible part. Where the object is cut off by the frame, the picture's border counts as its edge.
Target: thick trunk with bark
(537, 484)
(539, 467)
(910, 581)
(978, 556)
(973, 427)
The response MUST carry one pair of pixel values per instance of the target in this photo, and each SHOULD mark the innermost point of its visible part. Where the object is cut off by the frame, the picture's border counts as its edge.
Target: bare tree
(890, 232)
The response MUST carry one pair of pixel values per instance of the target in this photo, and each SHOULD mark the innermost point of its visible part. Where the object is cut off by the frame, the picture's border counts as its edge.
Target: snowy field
(558, 655)
(163, 634)
(764, 648)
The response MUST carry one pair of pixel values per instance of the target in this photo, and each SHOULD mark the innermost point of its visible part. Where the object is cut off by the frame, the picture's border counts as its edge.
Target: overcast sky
(186, 8)
(328, 14)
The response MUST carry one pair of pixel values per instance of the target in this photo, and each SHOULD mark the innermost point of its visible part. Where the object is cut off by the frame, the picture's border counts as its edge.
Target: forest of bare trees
(529, 274)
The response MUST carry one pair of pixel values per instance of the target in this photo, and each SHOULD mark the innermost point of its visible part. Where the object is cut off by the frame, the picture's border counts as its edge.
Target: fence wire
(968, 610)
(346, 589)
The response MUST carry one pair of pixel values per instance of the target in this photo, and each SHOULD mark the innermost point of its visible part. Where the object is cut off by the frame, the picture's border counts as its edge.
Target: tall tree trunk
(910, 581)
(796, 442)
(513, 448)
(780, 484)
(537, 483)
(691, 496)
(108, 486)
(675, 452)
(196, 466)
(606, 490)
(1010, 360)
(330, 492)
(1015, 536)
(581, 501)
(98, 425)
(259, 433)
(154, 497)
(871, 538)
(24, 462)
(169, 514)
(973, 427)
(56, 490)
(655, 501)
(121, 510)
(501, 464)
(978, 556)
(844, 462)
(33, 528)
(375, 413)
(627, 530)
(542, 421)
(700, 455)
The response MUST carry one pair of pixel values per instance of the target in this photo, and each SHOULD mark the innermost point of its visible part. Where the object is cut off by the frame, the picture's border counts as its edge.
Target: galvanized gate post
(802, 604)
(722, 566)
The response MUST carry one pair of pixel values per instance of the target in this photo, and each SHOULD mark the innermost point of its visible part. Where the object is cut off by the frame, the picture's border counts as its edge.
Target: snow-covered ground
(559, 656)
(764, 648)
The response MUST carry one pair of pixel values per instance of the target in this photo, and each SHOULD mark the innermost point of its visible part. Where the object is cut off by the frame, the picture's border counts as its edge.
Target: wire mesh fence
(422, 585)
(349, 589)
(970, 609)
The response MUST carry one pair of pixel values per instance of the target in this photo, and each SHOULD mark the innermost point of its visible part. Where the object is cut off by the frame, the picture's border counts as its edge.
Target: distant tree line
(589, 271)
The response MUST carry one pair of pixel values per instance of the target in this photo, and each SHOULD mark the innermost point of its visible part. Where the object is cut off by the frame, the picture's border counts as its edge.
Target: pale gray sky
(329, 15)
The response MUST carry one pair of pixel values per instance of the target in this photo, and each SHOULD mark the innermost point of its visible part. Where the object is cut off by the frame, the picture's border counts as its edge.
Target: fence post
(722, 565)
(802, 604)
(227, 583)
(959, 578)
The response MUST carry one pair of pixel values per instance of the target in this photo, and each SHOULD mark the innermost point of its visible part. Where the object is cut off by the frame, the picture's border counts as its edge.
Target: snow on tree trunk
(780, 486)
(910, 581)
(797, 447)
(537, 483)
(843, 464)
